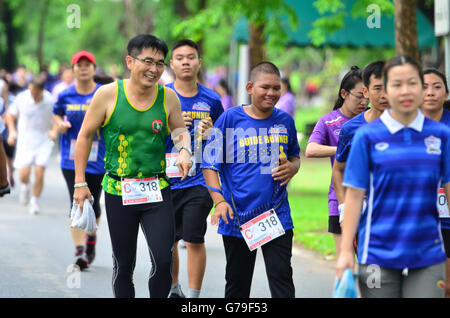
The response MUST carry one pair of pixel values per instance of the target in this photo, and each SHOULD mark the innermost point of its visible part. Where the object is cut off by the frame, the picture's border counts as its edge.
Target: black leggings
(157, 223)
(241, 263)
(94, 182)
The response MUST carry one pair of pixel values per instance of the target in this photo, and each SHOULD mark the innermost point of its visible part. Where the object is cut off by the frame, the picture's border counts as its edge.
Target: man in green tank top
(137, 114)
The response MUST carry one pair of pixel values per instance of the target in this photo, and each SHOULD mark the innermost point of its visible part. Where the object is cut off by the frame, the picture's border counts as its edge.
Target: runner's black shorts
(333, 224)
(191, 207)
(446, 239)
(94, 182)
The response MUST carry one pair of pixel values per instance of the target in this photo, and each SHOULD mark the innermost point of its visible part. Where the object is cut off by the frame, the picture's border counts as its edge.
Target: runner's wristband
(219, 203)
(80, 185)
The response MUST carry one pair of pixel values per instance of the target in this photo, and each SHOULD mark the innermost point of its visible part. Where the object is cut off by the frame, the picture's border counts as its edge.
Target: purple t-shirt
(287, 103)
(227, 102)
(326, 132)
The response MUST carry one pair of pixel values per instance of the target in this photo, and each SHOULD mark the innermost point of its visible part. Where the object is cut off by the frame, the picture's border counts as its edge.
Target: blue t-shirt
(346, 134)
(400, 168)
(445, 119)
(244, 150)
(205, 104)
(73, 107)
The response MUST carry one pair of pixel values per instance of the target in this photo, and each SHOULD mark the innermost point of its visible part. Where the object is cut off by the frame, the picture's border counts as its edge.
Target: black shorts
(333, 224)
(10, 151)
(446, 239)
(94, 182)
(191, 207)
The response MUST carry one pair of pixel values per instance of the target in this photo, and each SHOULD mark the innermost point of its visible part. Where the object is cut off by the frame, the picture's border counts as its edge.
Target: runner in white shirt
(34, 134)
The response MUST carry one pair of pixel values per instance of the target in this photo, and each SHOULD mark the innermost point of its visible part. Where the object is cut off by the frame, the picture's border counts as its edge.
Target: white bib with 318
(140, 191)
(262, 229)
(442, 204)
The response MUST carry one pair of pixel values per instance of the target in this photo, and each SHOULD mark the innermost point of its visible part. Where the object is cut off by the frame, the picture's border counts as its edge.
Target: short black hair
(375, 68)
(141, 41)
(38, 82)
(264, 67)
(186, 42)
(432, 70)
(286, 81)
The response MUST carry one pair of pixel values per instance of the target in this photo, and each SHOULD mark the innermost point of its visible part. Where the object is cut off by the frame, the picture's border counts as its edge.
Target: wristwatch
(187, 149)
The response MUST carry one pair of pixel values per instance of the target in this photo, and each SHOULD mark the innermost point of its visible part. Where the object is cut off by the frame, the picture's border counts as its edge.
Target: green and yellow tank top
(135, 140)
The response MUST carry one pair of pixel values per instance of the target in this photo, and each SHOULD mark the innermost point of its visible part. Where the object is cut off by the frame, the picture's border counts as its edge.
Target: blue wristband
(214, 189)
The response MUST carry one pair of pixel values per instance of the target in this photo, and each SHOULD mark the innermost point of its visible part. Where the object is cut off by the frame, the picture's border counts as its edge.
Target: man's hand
(64, 126)
(187, 119)
(346, 260)
(12, 136)
(285, 171)
(220, 212)
(80, 194)
(53, 134)
(204, 125)
(184, 163)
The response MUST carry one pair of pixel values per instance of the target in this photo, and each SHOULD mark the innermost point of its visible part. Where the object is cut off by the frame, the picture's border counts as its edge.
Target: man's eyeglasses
(150, 62)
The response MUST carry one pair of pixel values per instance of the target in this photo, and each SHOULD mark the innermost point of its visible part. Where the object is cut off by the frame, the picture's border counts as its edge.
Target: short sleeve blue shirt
(244, 151)
(346, 134)
(73, 107)
(400, 168)
(206, 103)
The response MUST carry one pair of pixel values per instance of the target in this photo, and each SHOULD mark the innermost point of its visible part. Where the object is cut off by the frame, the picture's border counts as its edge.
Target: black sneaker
(90, 248)
(5, 190)
(82, 262)
(80, 258)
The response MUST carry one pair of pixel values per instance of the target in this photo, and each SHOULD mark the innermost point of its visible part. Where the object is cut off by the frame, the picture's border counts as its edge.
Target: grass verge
(308, 198)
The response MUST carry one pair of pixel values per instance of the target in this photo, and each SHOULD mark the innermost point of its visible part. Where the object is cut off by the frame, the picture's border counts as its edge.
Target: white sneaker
(33, 208)
(24, 197)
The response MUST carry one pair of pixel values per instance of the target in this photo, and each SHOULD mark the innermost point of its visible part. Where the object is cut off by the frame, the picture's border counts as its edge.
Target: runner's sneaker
(90, 247)
(5, 190)
(33, 207)
(80, 258)
(176, 292)
(24, 197)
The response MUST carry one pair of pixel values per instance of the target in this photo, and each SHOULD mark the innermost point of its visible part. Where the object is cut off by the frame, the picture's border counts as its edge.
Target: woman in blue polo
(69, 111)
(398, 161)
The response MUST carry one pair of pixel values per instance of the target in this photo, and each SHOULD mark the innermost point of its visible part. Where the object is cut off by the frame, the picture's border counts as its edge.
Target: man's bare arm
(94, 118)
(180, 134)
(338, 178)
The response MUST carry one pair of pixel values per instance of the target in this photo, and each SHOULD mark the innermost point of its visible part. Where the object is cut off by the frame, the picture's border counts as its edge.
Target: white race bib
(140, 191)
(172, 170)
(93, 155)
(442, 204)
(262, 229)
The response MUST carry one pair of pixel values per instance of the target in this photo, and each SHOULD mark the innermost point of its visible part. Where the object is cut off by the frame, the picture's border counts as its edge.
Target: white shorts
(26, 157)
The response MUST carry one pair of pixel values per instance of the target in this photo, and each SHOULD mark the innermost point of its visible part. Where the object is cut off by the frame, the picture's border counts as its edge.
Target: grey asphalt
(36, 252)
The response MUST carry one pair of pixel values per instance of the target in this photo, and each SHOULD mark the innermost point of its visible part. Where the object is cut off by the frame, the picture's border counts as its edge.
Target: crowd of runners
(165, 156)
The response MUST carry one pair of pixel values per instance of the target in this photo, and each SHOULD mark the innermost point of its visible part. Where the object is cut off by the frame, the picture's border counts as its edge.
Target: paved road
(36, 253)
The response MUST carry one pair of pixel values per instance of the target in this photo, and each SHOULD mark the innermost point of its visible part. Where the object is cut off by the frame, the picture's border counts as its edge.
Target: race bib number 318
(262, 229)
(140, 191)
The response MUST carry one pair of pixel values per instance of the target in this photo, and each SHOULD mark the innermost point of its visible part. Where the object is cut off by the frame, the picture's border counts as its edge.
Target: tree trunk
(256, 44)
(41, 31)
(406, 29)
(8, 57)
